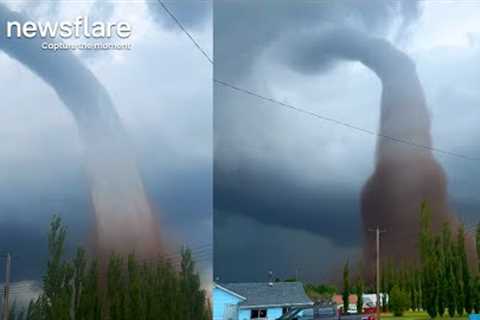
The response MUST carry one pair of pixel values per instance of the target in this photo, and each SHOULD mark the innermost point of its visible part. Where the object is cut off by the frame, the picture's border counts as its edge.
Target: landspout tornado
(124, 221)
(404, 175)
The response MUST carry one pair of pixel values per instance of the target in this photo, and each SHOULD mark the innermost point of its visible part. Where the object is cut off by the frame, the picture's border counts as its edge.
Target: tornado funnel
(405, 174)
(124, 221)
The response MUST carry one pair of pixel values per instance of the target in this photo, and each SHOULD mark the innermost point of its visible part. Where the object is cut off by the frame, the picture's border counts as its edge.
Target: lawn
(416, 315)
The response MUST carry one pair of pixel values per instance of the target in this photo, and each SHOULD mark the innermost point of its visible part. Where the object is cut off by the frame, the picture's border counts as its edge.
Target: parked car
(327, 311)
(319, 313)
(308, 314)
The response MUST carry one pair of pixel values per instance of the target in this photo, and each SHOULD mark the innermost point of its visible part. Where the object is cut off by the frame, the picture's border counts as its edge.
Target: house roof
(230, 291)
(264, 294)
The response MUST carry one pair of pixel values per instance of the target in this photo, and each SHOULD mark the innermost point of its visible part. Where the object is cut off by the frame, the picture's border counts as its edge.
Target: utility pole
(6, 287)
(377, 234)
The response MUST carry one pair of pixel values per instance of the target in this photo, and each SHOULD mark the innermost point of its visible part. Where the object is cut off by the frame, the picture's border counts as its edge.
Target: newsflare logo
(80, 28)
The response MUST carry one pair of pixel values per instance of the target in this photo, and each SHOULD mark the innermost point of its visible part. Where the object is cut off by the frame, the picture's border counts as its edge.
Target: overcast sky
(287, 185)
(162, 91)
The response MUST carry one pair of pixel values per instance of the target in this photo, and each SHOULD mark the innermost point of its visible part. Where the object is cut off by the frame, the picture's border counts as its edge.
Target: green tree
(448, 269)
(441, 281)
(89, 307)
(398, 301)
(458, 282)
(475, 294)
(466, 278)
(56, 282)
(386, 272)
(411, 287)
(320, 292)
(418, 282)
(128, 289)
(346, 287)
(116, 288)
(190, 282)
(429, 263)
(359, 291)
(476, 290)
(79, 265)
(135, 308)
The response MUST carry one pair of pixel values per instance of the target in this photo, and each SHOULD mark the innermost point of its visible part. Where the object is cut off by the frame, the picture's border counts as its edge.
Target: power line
(342, 123)
(193, 248)
(180, 25)
(178, 258)
(193, 251)
(311, 113)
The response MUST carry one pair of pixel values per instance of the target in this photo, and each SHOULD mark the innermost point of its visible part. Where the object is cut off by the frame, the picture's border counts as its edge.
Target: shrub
(398, 301)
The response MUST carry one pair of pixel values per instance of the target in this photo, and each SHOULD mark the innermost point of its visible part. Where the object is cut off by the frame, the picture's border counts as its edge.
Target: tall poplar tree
(466, 278)
(359, 291)
(449, 289)
(476, 300)
(441, 281)
(428, 262)
(129, 289)
(57, 292)
(346, 287)
(457, 276)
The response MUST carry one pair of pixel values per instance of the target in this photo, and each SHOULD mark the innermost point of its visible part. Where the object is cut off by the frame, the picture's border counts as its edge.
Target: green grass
(418, 315)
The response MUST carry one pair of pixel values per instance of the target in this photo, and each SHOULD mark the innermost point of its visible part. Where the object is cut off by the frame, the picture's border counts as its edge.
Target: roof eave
(230, 292)
(281, 305)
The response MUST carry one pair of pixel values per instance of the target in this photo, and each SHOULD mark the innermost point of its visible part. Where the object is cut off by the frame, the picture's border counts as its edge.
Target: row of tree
(320, 292)
(449, 282)
(442, 282)
(78, 289)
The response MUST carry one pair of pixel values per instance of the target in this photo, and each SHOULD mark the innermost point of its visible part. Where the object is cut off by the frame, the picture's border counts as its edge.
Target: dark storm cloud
(274, 198)
(244, 30)
(192, 14)
(26, 241)
(270, 169)
(43, 172)
(17, 238)
(250, 44)
(26, 207)
(404, 114)
(78, 88)
(254, 249)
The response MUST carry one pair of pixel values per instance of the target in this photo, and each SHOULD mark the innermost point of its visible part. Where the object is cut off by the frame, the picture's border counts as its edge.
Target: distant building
(338, 299)
(369, 301)
(352, 302)
(257, 300)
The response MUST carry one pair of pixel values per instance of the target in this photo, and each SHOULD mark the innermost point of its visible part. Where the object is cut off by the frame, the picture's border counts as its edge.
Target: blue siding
(274, 313)
(222, 298)
(244, 314)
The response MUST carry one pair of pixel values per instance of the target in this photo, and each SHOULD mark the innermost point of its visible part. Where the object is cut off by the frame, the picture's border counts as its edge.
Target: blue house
(259, 301)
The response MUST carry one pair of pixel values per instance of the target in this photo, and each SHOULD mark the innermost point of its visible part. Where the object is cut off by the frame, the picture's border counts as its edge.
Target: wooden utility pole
(6, 287)
(377, 234)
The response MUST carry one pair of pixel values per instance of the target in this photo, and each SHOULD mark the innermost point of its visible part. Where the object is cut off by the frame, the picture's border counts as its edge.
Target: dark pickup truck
(318, 313)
